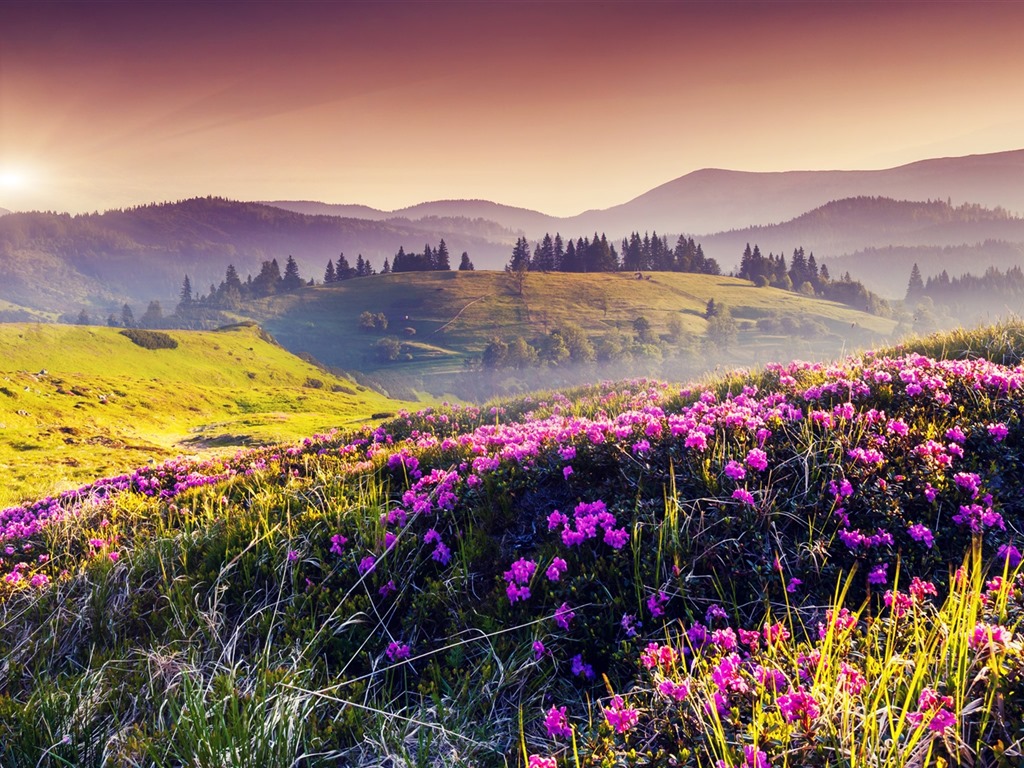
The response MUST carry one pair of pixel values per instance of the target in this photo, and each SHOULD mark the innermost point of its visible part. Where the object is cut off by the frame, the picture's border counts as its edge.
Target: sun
(11, 179)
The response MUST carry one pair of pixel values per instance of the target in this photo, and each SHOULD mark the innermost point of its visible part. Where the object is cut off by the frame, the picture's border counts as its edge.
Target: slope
(445, 319)
(77, 401)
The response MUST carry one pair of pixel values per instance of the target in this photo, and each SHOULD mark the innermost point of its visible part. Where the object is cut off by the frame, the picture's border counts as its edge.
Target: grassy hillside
(452, 315)
(811, 565)
(77, 402)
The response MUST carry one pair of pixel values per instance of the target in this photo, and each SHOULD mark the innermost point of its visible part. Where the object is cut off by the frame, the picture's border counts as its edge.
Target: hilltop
(806, 565)
(444, 320)
(76, 402)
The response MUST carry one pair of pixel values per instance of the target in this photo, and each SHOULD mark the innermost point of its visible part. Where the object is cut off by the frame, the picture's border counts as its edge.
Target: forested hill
(59, 262)
(854, 224)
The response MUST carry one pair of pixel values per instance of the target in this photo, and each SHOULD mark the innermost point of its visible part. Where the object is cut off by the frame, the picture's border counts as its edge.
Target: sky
(557, 106)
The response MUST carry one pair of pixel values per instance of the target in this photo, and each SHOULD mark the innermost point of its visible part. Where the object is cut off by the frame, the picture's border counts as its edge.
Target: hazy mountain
(515, 220)
(886, 270)
(853, 224)
(60, 262)
(713, 200)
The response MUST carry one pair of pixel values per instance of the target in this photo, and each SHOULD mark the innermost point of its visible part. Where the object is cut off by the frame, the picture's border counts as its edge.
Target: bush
(150, 339)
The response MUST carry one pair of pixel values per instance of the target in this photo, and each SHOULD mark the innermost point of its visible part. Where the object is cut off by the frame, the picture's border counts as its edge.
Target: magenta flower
(757, 459)
(619, 716)
(799, 707)
(580, 668)
(557, 723)
(338, 543)
(537, 761)
(755, 758)
(556, 569)
(366, 565)
(655, 603)
(538, 650)
(397, 651)
(997, 432)
(922, 534)
(742, 494)
(735, 471)
(879, 574)
(672, 690)
(566, 471)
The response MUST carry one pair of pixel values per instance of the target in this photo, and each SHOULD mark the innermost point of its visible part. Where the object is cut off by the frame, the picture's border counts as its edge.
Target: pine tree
(329, 274)
(343, 271)
(360, 266)
(127, 316)
(291, 281)
(465, 265)
(915, 286)
(386, 269)
(186, 293)
(520, 256)
(154, 315)
(441, 258)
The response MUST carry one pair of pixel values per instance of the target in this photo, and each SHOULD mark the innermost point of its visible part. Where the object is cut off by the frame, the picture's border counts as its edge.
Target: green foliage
(150, 339)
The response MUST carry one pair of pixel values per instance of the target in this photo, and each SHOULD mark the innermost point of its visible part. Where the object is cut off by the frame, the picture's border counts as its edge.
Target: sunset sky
(556, 106)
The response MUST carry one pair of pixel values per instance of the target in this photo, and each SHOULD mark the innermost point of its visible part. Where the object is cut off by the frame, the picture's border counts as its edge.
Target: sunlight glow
(11, 179)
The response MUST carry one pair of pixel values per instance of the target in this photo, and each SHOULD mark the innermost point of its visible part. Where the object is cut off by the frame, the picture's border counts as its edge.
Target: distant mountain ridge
(59, 262)
(850, 225)
(715, 200)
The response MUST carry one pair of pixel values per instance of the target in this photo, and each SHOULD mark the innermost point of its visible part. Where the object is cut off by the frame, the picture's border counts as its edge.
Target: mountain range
(956, 214)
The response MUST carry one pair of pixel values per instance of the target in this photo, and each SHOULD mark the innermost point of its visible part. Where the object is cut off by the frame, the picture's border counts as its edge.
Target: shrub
(150, 339)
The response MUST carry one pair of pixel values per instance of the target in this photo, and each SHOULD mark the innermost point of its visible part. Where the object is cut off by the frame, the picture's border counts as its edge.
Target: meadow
(80, 402)
(807, 564)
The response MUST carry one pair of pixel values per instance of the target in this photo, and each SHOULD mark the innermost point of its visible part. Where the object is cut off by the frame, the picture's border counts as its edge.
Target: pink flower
(757, 459)
(754, 758)
(799, 706)
(556, 569)
(536, 761)
(673, 690)
(735, 471)
(538, 650)
(566, 471)
(998, 432)
(742, 494)
(114, 556)
(922, 534)
(619, 716)
(557, 723)
(655, 603)
(878, 574)
(338, 543)
(397, 651)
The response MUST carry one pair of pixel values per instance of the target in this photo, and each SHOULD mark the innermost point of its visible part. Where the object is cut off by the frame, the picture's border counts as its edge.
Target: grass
(358, 599)
(105, 405)
(456, 313)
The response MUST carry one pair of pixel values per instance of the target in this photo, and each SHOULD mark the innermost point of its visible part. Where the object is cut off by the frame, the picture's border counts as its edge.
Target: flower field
(806, 565)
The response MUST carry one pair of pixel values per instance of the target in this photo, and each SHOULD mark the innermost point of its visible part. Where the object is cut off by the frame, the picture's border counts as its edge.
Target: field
(77, 403)
(805, 565)
(447, 318)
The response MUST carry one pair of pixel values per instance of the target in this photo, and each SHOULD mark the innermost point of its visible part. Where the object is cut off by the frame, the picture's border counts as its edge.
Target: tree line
(597, 254)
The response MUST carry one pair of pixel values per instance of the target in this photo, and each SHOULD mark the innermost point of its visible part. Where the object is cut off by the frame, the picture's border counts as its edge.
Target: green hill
(808, 565)
(445, 319)
(80, 401)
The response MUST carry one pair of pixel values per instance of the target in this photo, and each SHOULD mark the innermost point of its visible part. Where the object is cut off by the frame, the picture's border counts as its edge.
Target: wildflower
(922, 534)
(388, 588)
(997, 432)
(538, 650)
(338, 543)
(1007, 552)
(742, 494)
(293, 555)
(658, 656)
(992, 636)
(557, 723)
(114, 556)
(619, 716)
(673, 690)
(397, 651)
(750, 638)
(580, 668)
(655, 603)
(934, 710)
(735, 471)
(629, 624)
(556, 569)
(757, 459)
(366, 565)
(775, 633)
(516, 593)
(919, 589)
(39, 580)
(793, 585)
(724, 638)
(715, 612)
(799, 706)
(879, 574)
(754, 758)
(566, 471)
(563, 615)
(537, 761)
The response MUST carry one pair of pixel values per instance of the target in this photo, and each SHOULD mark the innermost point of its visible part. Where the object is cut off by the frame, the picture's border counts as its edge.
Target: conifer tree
(329, 274)
(292, 280)
(442, 260)
(915, 286)
(465, 265)
(127, 316)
